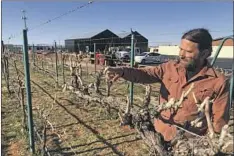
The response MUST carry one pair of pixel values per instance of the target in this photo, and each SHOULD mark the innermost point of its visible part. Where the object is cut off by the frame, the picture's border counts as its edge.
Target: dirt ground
(14, 140)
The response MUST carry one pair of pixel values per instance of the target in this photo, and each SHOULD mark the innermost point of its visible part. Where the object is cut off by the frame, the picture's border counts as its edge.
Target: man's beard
(190, 66)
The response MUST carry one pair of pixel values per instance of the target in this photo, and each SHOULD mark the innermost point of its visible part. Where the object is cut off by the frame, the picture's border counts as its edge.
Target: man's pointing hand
(113, 73)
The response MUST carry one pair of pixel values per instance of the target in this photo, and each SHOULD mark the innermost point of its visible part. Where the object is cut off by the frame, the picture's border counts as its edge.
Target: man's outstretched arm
(143, 75)
(137, 75)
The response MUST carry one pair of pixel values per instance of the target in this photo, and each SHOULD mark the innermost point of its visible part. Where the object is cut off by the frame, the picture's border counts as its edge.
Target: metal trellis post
(28, 91)
(213, 62)
(33, 53)
(132, 64)
(56, 63)
(231, 87)
(94, 49)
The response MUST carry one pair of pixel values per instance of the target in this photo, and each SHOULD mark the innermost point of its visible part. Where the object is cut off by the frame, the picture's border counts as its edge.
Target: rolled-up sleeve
(220, 107)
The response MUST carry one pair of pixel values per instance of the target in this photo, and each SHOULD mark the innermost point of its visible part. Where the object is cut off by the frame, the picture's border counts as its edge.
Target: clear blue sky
(160, 22)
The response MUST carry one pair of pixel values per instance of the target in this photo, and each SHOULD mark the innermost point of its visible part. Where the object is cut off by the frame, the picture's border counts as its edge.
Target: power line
(50, 20)
(64, 14)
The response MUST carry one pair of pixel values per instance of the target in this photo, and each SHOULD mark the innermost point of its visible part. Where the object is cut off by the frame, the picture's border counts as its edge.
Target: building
(140, 41)
(225, 57)
(86, 41)
(104, 40)
(226, 51)
(153, 48)
(13, 47)
(218, 41)
(45, 47)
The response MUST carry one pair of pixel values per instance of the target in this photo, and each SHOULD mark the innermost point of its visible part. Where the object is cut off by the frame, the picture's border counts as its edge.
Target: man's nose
(182, 54)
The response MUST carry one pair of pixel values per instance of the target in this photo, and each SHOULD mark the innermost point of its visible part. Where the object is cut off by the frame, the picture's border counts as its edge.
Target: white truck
(137, 50)
(124, 53)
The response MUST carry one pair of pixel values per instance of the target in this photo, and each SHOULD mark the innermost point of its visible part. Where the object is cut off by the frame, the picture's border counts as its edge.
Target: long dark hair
(200, 36)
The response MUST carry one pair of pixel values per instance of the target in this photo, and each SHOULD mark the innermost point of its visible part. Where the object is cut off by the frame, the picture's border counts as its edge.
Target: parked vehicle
(148, 57)
(122, 55)
(137, 50)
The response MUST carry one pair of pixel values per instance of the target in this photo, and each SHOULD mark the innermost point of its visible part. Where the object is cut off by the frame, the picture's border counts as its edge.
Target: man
(175, 77)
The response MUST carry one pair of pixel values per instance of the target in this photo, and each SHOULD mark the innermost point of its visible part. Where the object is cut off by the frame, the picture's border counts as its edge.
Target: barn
(140, 40)
(104, 40)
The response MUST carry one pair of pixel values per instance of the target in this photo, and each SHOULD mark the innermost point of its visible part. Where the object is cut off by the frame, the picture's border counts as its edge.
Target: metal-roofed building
(104, 40)
(86, 42)
(141, 41)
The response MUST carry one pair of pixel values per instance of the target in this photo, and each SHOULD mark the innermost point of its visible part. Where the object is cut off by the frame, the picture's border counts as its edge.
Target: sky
(160, 22)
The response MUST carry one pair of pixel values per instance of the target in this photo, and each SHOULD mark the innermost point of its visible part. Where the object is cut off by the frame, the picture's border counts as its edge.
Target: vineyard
(77, 111)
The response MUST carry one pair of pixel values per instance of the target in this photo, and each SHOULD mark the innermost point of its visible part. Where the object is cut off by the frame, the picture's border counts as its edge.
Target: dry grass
(14, 138)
